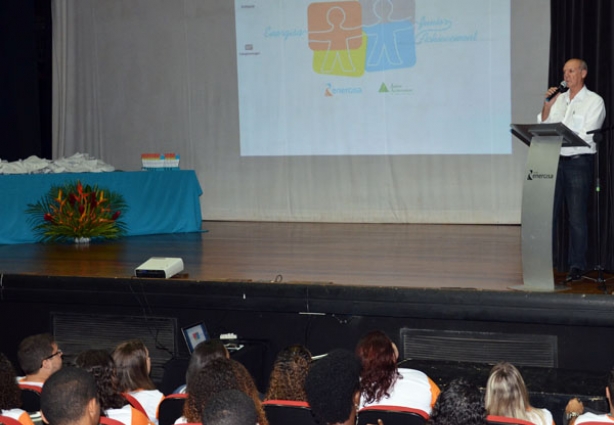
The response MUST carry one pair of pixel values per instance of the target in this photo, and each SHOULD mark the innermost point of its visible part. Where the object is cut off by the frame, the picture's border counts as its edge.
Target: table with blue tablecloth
(158, 201)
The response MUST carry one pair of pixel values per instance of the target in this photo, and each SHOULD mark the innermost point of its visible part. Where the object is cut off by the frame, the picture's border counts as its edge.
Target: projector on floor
(159, 267)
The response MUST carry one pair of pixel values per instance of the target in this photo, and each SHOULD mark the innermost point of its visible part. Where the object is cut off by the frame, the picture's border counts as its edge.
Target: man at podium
(582, 111)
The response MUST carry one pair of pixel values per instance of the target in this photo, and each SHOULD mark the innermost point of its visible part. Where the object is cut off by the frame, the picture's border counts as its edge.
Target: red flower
(72, 199)
(81, 209)
(48, 217)
(116, 215)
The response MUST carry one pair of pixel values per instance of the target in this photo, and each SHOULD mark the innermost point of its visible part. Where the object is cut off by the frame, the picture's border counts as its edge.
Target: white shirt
(412, 389)
(544, 419)
(150, 400)
(591, 417)
(584, 113)
(21, 380)
(19, 415)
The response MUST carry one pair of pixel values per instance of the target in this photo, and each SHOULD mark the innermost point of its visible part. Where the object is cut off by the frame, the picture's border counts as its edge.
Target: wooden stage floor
(481, 257)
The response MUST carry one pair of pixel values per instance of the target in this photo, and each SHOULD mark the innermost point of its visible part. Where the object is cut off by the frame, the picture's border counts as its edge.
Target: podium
(545, 142)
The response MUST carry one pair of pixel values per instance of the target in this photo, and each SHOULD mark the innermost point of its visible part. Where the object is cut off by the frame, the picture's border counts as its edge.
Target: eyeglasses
(57, 353)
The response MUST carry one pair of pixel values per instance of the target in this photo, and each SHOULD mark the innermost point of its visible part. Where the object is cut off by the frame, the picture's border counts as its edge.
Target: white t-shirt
(412, 389)
(19, 415)
(150, 400)
(592, 417)
(21, 380)
(544, 419)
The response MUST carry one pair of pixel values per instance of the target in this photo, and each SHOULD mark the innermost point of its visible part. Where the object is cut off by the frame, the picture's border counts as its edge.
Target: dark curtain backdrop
(25, 79)
(583, 29)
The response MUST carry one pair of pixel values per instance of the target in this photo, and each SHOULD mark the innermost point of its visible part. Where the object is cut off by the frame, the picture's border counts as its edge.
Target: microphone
(562, 88)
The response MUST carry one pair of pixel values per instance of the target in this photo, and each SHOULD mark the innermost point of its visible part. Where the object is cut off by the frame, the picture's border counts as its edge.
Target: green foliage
(74, 211)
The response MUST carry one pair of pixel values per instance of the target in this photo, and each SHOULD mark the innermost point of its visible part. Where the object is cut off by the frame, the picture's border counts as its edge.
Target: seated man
(576, 414)
(69, 397)
(230, 407)
(333, 388)
(39, 358)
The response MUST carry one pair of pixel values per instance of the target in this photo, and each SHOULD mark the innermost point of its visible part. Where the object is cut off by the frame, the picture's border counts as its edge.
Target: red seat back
(284, 412)
(504, 420)
(171, 408)
(8, 421)
(392, 415)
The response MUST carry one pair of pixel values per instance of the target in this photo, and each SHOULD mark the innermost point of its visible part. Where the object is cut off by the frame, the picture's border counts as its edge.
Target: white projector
(160, 267)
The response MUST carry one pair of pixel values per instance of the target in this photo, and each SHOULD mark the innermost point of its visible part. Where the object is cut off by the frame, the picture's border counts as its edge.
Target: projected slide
(373, 77)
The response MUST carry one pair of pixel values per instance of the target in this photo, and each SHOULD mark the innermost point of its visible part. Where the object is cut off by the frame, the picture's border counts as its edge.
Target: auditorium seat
(109, 421)
(134, 403)
(171, 408)
(391, 415)
(504, 420)
(30, 398)
(8, 421)
(284, 412)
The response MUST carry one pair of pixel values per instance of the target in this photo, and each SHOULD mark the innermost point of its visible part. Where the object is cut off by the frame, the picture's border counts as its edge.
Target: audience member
(383, 383)
(203, 354)
(577, 414)
(460, 403)
(230, 407)
(133, 366)
(39, 358)
(507, 395)
(10, 394)
(248, 386)
(333, 388)
(69, 398)
(287, 381)
(218, 375)
(101, 366)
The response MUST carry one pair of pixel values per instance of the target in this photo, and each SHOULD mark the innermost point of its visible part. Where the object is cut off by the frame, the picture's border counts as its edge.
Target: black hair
(66, 394)
(230, 407)
(331, 385)
(460, 403)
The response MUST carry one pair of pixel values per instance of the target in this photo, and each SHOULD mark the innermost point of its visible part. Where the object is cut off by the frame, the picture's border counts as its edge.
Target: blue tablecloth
(158, 201)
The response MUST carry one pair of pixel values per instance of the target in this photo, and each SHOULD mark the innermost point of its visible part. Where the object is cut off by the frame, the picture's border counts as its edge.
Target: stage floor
(481, 257)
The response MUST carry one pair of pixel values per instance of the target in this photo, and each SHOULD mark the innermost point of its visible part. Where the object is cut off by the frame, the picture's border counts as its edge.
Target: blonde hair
(507, 395)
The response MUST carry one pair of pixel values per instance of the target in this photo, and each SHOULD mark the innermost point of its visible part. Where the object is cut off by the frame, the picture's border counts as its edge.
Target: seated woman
(507, 395)
(219, 375)
(203, 353)
(101, 366)
(133, 367)
(382, 383)
(10, 394)
(287, 381)
(248, 386)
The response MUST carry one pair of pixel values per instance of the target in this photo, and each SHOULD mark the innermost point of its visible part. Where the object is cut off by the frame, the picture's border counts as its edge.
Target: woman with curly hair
(248, 386)
(10, 394)
(287, 381)
(459, 404)
(133, 366)
(101, 366)
(203, 353)
(507, 395)
(217, 376)
(382, 383)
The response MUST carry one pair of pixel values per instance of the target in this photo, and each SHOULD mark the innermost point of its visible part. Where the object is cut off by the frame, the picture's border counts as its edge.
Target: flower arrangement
(75, 212)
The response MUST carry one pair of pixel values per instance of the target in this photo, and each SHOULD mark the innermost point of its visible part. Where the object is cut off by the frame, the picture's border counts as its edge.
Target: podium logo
(537, 175)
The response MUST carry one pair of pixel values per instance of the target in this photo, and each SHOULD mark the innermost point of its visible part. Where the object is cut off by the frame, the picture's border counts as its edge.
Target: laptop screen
(194, 335)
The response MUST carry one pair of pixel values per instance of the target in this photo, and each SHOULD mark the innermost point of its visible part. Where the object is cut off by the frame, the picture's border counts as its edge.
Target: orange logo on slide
(336, 37)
